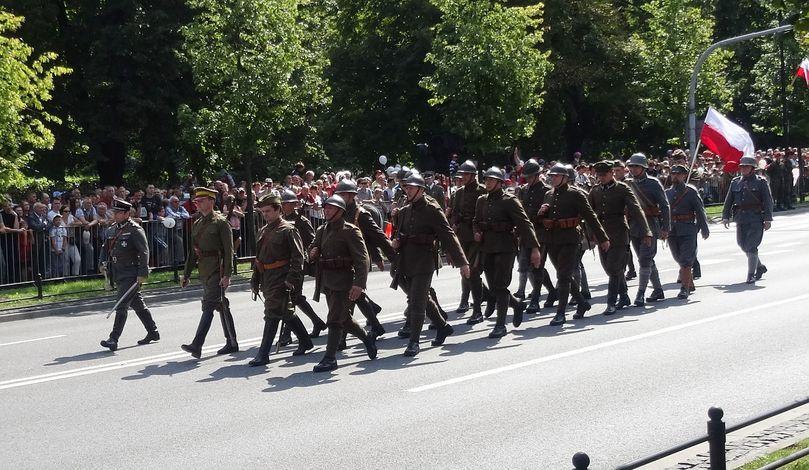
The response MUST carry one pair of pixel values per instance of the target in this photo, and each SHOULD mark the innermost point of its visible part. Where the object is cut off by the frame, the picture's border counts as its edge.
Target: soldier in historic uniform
(749, 203)
(128, 257)
(619, 172)
(375, 241)
(687, 218)
(561, 213)
(421, 225)
(463, 213)
(531, 196)
(342, 261)
(655, 206)
(612, 200)
(278, 275)
(580, 273)
(290, 213)
(211, 251)
(499, 219)
(435, 190)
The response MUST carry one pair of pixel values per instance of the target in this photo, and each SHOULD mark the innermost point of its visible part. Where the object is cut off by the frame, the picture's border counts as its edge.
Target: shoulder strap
(641, 195)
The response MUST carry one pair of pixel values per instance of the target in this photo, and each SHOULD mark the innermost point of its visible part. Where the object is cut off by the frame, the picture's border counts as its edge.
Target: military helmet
(346, 186)
(415, 179)
(530, 168)
(289, 196)
(336, 201)
(749, 161)
(679, 169)
(638, 159)
(467, 168)
(571, 172)
(558, 169)
(496, 173)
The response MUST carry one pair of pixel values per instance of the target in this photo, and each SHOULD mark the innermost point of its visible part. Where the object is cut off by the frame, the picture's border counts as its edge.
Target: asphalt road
(618, 388)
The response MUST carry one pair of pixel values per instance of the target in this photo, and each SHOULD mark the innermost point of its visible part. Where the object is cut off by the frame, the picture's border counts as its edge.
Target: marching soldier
(655, 206)
(211, 251)
(289, 203)
(749, 202)
(342, 261)
(421, 224)
(463, 214)
(619, 173)
(561, 214)
(611, 200)
(278, 274)
(375, 240)
(580, 273)
(129, 259)
(687, 217)
(531, 195)
(435, 190)
(497, 216)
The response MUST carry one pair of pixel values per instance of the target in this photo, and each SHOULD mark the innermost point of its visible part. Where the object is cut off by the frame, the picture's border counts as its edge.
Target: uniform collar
(497, 193)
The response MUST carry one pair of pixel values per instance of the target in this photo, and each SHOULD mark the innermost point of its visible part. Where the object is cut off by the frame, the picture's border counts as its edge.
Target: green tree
(668, 44)
(255, 77)
(489, 71)
(26, 82)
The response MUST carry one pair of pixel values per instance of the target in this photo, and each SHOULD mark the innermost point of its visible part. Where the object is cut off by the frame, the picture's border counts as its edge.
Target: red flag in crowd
(726, 139)
(803, 71)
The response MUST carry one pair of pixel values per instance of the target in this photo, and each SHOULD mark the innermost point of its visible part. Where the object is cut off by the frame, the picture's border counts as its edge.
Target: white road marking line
(30, 340)
(709, 262)
(775, 252)
(604, 345)
(785, 245)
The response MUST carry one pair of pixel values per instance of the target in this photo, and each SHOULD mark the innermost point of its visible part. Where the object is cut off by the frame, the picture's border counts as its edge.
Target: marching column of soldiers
(483, 231)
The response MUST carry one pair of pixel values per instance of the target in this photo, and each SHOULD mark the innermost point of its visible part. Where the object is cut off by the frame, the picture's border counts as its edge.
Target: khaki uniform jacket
(611, 203)
(531, 197)
(566, 202)
(436, 191)
(373, 236)
(422, 224)
(342, 241)
(128, 250)
(497, 215)
(278, 241)
(307, 234)
(463, 210)
(211, 246)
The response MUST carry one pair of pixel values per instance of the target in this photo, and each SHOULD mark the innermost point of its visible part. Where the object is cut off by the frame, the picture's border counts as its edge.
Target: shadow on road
(87, 356)
(234, 371)
(734, 288)
(168, 369)
(299, 380)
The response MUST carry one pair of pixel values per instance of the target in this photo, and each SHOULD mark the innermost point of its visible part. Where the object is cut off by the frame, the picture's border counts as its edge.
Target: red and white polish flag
(803, 71)
(726, 139)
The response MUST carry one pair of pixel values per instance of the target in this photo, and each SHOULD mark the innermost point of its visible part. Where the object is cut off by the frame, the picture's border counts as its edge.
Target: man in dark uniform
(211, 251)
(687, 218)
(561, 213)
(463, 213)
(128, 257)
(375, 241)
(421, 224)
(775, 173)
(585, 243)
(342, 259)
(499, 219)
(531, 196)
(435, 190)
(289, 205)
(619, 173)
(749, 203)
(655, 206)
(612, 200)
(277, 273)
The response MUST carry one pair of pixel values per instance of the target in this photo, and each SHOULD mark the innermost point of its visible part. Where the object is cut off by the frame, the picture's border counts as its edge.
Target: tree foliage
(26, 83)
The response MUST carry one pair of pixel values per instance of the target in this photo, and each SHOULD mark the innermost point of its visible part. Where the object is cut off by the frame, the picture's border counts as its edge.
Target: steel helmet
(415, 179)
(346, 186)
(638, 159)
(530, 168)
(467, 168)
(558, 169)
(495, 173)
(748, 161)
(336, 201)
(289, 196)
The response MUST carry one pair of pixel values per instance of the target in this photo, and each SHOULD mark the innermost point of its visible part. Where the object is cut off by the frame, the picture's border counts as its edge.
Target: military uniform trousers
(684, 249)
(419, 303)
(339, 319)
(212, 300)
(614, 262)
(471, 250)
(565, 259)
(124, 281)
(748, 237)
(647, 270)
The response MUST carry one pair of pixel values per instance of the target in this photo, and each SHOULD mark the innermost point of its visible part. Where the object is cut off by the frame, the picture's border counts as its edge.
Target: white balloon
(383, 159)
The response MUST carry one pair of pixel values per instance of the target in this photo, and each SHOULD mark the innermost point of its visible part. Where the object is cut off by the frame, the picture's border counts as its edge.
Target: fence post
(581, 461)
(38, 283)
(716, 438)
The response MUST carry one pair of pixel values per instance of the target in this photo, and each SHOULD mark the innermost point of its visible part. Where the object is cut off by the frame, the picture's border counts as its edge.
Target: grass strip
(802, 464)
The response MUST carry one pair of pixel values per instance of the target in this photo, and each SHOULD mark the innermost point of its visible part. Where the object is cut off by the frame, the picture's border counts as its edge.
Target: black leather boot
(304, 342)
(263, 355)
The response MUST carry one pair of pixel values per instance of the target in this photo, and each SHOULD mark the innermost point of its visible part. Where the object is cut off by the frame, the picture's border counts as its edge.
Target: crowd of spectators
(61, 233)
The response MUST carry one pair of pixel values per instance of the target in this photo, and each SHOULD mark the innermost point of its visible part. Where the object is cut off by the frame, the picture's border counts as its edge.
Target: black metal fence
(716, 439)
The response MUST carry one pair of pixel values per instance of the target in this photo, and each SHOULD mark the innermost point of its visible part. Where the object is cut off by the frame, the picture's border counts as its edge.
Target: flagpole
(693, 160)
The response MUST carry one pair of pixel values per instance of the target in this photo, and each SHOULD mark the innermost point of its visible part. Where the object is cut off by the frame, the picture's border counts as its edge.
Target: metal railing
(716, 439)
